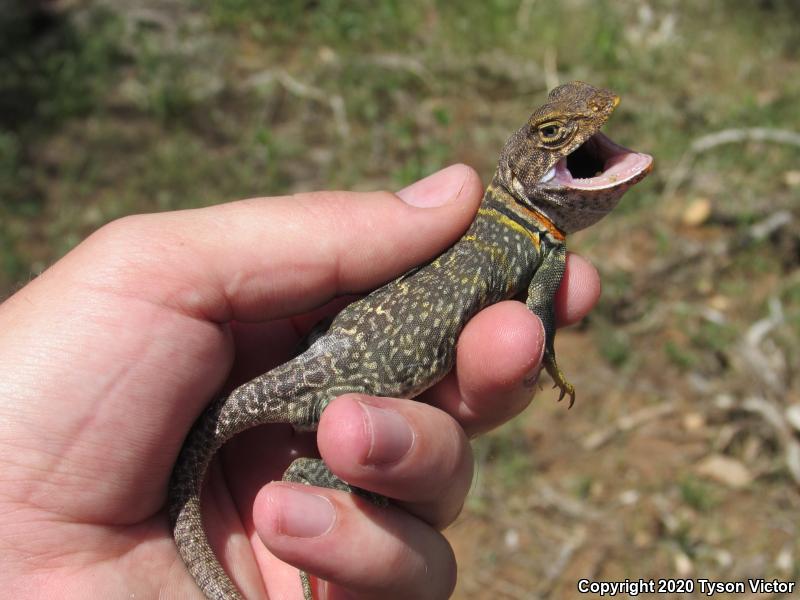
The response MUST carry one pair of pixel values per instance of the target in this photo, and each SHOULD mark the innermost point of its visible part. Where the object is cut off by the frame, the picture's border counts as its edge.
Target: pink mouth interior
(600, 163)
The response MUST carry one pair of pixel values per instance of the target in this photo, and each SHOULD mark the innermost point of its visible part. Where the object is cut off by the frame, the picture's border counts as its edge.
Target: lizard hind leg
(313, 471)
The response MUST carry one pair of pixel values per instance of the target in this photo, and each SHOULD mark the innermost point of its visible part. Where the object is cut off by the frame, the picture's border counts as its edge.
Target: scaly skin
(401, 339)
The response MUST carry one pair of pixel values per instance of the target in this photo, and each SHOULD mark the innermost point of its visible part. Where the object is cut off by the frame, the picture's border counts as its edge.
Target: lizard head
(560, 164)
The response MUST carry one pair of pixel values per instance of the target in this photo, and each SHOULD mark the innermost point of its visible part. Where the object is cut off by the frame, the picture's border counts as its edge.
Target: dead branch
(305, 91)
(770, 373)
(783, 431)
(720, 138)
(627, 423)
(556, 568)
(547, 496)
(769, 370)
(661, 271)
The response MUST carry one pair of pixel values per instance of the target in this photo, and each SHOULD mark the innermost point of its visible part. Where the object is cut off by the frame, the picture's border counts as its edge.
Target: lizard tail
(184, 508)
(198, 556)
(282, 395)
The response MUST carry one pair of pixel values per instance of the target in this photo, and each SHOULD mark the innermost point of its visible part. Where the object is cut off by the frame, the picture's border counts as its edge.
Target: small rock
(719, 302)
(511, 539)
(597, 489)
(694, 421)
(326, 55)
(93, 216)
(725, 470)
(793, 416)
(724, 401)
(785, 561)
(642, 539)
(792, 178)
(697, 213)
(724, 558)
(683, 565)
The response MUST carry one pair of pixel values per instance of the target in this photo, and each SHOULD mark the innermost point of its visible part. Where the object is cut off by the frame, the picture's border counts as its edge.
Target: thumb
(267, 258)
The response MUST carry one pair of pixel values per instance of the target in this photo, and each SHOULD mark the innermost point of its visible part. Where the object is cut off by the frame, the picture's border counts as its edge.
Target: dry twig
(658, 274)
(556, 568)
(306, 91)
(719, 138)
(770, 371)
(626, 423)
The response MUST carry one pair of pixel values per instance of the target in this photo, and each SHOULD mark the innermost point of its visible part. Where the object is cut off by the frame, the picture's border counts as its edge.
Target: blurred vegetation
(109, 108)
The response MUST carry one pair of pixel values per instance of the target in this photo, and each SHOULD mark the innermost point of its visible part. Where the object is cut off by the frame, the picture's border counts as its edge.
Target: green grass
(509, 454)
(109, 113)
(697, 494)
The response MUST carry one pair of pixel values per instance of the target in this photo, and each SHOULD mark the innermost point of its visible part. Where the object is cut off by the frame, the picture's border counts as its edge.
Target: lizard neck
(498, 198)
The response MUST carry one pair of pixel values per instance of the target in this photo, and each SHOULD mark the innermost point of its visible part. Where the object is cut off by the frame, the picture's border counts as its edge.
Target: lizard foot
(567, 389)
(559, 381)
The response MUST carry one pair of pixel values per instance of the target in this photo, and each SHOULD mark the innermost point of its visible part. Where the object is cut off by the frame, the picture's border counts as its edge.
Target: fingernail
(437, 189)
(303, 514)
(531, 377)
(391, 437)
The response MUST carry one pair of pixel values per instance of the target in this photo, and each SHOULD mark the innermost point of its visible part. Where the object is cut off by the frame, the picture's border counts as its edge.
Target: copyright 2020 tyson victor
(707, 587)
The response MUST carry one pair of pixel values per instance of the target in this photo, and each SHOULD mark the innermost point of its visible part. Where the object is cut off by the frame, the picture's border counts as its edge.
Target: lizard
(557, 174)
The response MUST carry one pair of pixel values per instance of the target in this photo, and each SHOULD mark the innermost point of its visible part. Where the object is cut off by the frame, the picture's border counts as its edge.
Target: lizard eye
(553, 134)
(549, 131)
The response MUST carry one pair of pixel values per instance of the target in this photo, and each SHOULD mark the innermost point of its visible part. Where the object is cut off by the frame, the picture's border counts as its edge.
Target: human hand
(108, 357)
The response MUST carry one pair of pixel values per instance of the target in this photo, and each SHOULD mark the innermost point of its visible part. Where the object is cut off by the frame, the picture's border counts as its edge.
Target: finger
(371, 552)
(405, 450)
(269, 257)
(579, 290)
(497, 363)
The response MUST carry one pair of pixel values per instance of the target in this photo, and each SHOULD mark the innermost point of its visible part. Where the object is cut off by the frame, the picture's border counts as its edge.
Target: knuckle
(117, 235)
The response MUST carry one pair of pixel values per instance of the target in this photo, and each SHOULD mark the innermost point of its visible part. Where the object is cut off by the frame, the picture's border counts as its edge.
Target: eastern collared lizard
(556, 174)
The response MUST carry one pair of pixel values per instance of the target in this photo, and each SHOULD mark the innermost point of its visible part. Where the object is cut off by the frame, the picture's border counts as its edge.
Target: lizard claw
(560, 382)
(567, 389)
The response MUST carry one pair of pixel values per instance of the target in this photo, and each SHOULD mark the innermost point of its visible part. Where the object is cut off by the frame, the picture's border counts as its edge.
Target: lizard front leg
(541, 296)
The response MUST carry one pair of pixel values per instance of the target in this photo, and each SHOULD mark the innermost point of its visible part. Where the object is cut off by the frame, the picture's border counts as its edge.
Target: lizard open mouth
(599, 164)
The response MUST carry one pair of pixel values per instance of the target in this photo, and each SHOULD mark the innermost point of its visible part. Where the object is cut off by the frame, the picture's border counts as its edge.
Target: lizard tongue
(600, 164)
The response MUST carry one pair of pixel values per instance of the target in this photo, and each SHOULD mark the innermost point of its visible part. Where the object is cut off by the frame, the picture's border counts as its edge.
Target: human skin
(108, 357)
